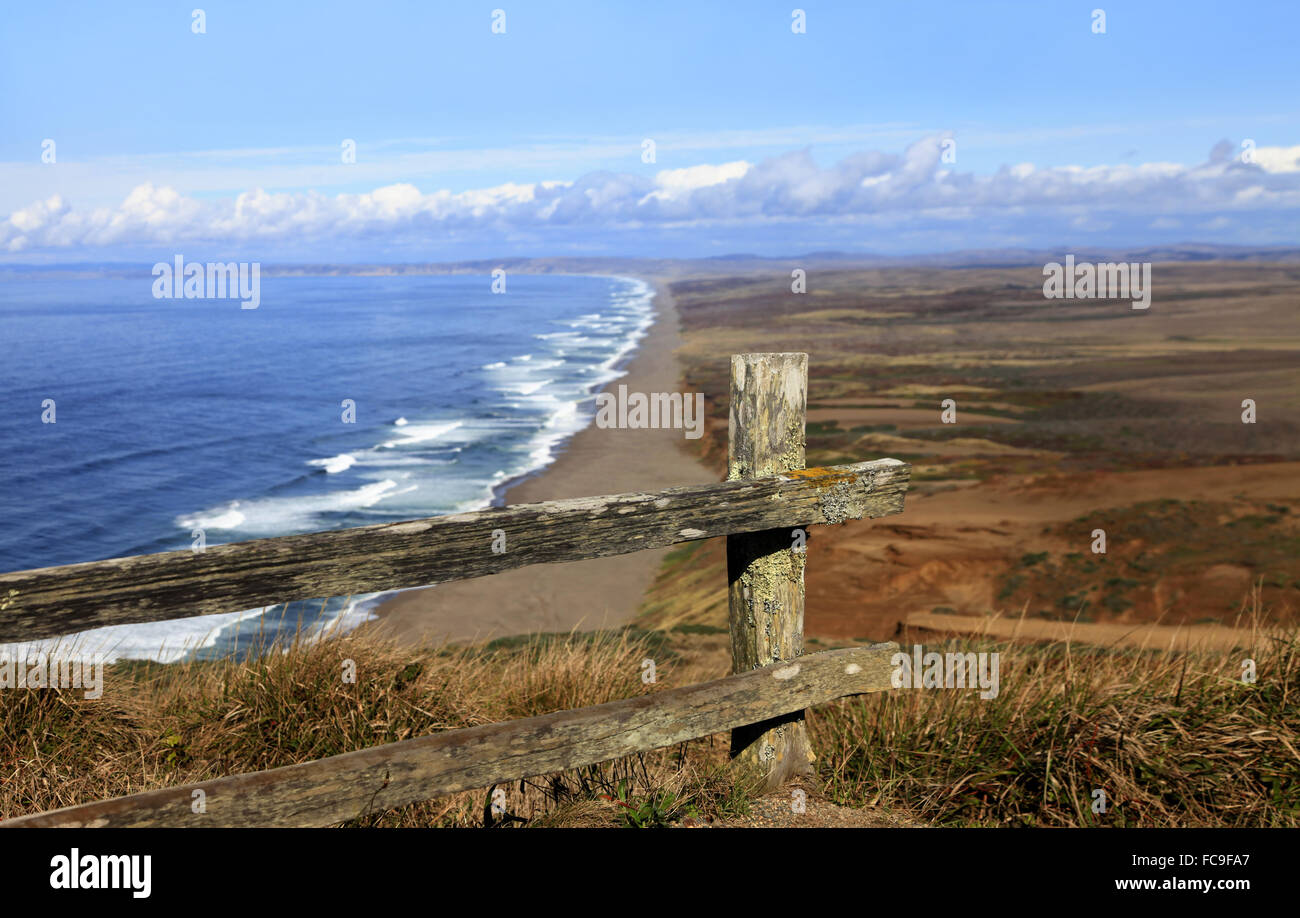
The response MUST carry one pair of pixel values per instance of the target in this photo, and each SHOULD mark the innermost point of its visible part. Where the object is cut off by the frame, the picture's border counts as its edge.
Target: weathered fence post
(764, 571)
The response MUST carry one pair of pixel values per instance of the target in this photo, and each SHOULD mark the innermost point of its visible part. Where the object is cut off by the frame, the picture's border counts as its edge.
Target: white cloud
(885, 189)
(1278, 159)
(673, 183)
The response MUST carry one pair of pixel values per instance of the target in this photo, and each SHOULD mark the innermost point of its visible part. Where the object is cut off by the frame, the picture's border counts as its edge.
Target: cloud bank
(915, 189)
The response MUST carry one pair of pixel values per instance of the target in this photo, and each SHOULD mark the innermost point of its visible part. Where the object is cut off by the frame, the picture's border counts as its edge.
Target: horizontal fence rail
(246, 575)
(344, 787)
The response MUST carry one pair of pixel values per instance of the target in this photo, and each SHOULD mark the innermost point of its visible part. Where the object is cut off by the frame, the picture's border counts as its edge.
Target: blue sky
(475, 144)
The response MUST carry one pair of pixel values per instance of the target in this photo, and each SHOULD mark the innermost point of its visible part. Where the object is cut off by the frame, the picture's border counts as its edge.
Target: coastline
(602, 592)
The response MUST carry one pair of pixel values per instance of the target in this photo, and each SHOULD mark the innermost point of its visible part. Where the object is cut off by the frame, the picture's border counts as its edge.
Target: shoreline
(602, 592)
(501, 490)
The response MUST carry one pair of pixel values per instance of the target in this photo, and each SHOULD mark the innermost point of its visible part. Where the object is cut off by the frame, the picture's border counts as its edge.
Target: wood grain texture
(343, 787)
(766, 429)
(248, 575)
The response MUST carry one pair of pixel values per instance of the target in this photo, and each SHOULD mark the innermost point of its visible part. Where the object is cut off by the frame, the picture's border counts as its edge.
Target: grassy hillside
(1173, 740)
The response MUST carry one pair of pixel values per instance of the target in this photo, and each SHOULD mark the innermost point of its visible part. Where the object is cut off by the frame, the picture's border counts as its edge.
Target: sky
(678, 129)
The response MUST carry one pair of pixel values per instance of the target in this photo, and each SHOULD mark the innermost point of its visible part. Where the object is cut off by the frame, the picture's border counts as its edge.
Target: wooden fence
(767, 497)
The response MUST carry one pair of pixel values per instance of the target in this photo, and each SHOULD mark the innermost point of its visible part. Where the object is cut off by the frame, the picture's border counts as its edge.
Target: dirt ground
(786, 809)
(954, 551)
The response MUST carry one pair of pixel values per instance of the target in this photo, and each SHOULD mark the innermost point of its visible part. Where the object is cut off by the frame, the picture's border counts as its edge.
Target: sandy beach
(584, 594)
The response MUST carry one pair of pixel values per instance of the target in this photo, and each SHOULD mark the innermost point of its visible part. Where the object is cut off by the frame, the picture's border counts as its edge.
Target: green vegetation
(654, 811)
(1169, 542)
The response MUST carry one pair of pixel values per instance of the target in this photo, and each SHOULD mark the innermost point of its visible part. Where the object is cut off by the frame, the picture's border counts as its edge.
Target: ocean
(339, 401)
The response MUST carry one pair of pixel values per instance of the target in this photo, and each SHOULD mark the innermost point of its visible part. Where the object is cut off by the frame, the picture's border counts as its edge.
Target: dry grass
(160, 726)
(1174, 740)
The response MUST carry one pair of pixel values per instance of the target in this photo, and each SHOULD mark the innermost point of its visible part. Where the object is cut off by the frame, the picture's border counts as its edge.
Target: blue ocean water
(178, 415)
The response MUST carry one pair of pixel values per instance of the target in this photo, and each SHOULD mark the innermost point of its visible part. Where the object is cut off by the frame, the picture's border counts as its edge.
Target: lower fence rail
(343, 787)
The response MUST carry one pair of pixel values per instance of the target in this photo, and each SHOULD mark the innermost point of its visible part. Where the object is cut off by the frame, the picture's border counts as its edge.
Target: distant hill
(722, 264)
